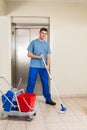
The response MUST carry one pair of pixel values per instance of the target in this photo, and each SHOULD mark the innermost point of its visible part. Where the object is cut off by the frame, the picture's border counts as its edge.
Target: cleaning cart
(17, 103)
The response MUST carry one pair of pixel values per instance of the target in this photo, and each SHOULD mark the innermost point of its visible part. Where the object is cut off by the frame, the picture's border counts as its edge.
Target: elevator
(22, 35)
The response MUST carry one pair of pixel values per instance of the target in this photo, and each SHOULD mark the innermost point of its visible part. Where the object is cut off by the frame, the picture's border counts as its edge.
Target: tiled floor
(48, 118)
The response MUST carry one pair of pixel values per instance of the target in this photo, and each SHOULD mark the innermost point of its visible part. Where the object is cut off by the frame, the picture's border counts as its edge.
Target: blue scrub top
(38, 47)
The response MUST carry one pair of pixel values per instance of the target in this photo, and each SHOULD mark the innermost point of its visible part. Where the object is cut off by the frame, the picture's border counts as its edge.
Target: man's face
(43, 35)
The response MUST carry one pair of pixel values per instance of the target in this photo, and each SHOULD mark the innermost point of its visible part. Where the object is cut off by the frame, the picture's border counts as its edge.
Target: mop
(63, 108)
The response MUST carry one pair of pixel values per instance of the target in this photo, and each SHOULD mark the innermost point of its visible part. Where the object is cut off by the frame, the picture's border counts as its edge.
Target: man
(37, 50)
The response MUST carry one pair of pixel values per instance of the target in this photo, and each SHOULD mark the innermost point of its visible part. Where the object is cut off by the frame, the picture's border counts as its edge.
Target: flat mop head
(63, 109)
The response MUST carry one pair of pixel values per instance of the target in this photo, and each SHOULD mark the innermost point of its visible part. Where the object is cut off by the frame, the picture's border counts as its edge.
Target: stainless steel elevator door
(22, 40)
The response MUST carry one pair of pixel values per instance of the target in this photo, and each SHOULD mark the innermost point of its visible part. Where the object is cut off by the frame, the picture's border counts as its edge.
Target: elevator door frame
(13, 47)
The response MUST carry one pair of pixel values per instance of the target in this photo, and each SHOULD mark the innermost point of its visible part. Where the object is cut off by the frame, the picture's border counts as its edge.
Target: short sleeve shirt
(38, 47)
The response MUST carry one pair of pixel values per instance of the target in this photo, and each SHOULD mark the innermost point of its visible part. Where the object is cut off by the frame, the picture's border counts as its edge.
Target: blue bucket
(6, 104)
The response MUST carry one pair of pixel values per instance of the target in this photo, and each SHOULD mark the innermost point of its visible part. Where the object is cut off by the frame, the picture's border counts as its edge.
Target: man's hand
(30, 54)
(47, 67)
(41, 56)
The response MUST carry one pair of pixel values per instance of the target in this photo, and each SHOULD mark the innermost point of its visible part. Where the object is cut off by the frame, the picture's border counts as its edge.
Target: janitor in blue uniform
(38, 49)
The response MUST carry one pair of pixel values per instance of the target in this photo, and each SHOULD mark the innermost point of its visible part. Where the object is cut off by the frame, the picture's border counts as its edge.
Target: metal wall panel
(20, 62)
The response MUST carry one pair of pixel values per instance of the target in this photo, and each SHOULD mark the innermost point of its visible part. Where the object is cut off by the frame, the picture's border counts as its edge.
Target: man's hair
(43, 29)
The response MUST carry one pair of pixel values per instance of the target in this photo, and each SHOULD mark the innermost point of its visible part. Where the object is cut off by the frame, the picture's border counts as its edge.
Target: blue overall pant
(32, 77)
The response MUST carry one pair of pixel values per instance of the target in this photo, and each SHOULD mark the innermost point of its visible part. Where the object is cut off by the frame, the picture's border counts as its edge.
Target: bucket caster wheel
(3, 116)
(34, 114)
(30, 118)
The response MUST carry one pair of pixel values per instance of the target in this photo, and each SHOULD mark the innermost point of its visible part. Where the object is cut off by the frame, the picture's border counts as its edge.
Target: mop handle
(20, 80)
(47, 70)
(1, 77)
(53, 83)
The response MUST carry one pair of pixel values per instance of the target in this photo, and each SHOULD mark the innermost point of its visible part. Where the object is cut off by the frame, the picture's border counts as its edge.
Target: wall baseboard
(72, 96)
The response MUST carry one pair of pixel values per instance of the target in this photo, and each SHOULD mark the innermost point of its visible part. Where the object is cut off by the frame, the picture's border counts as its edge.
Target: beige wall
(68, 40)
(3, 7)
